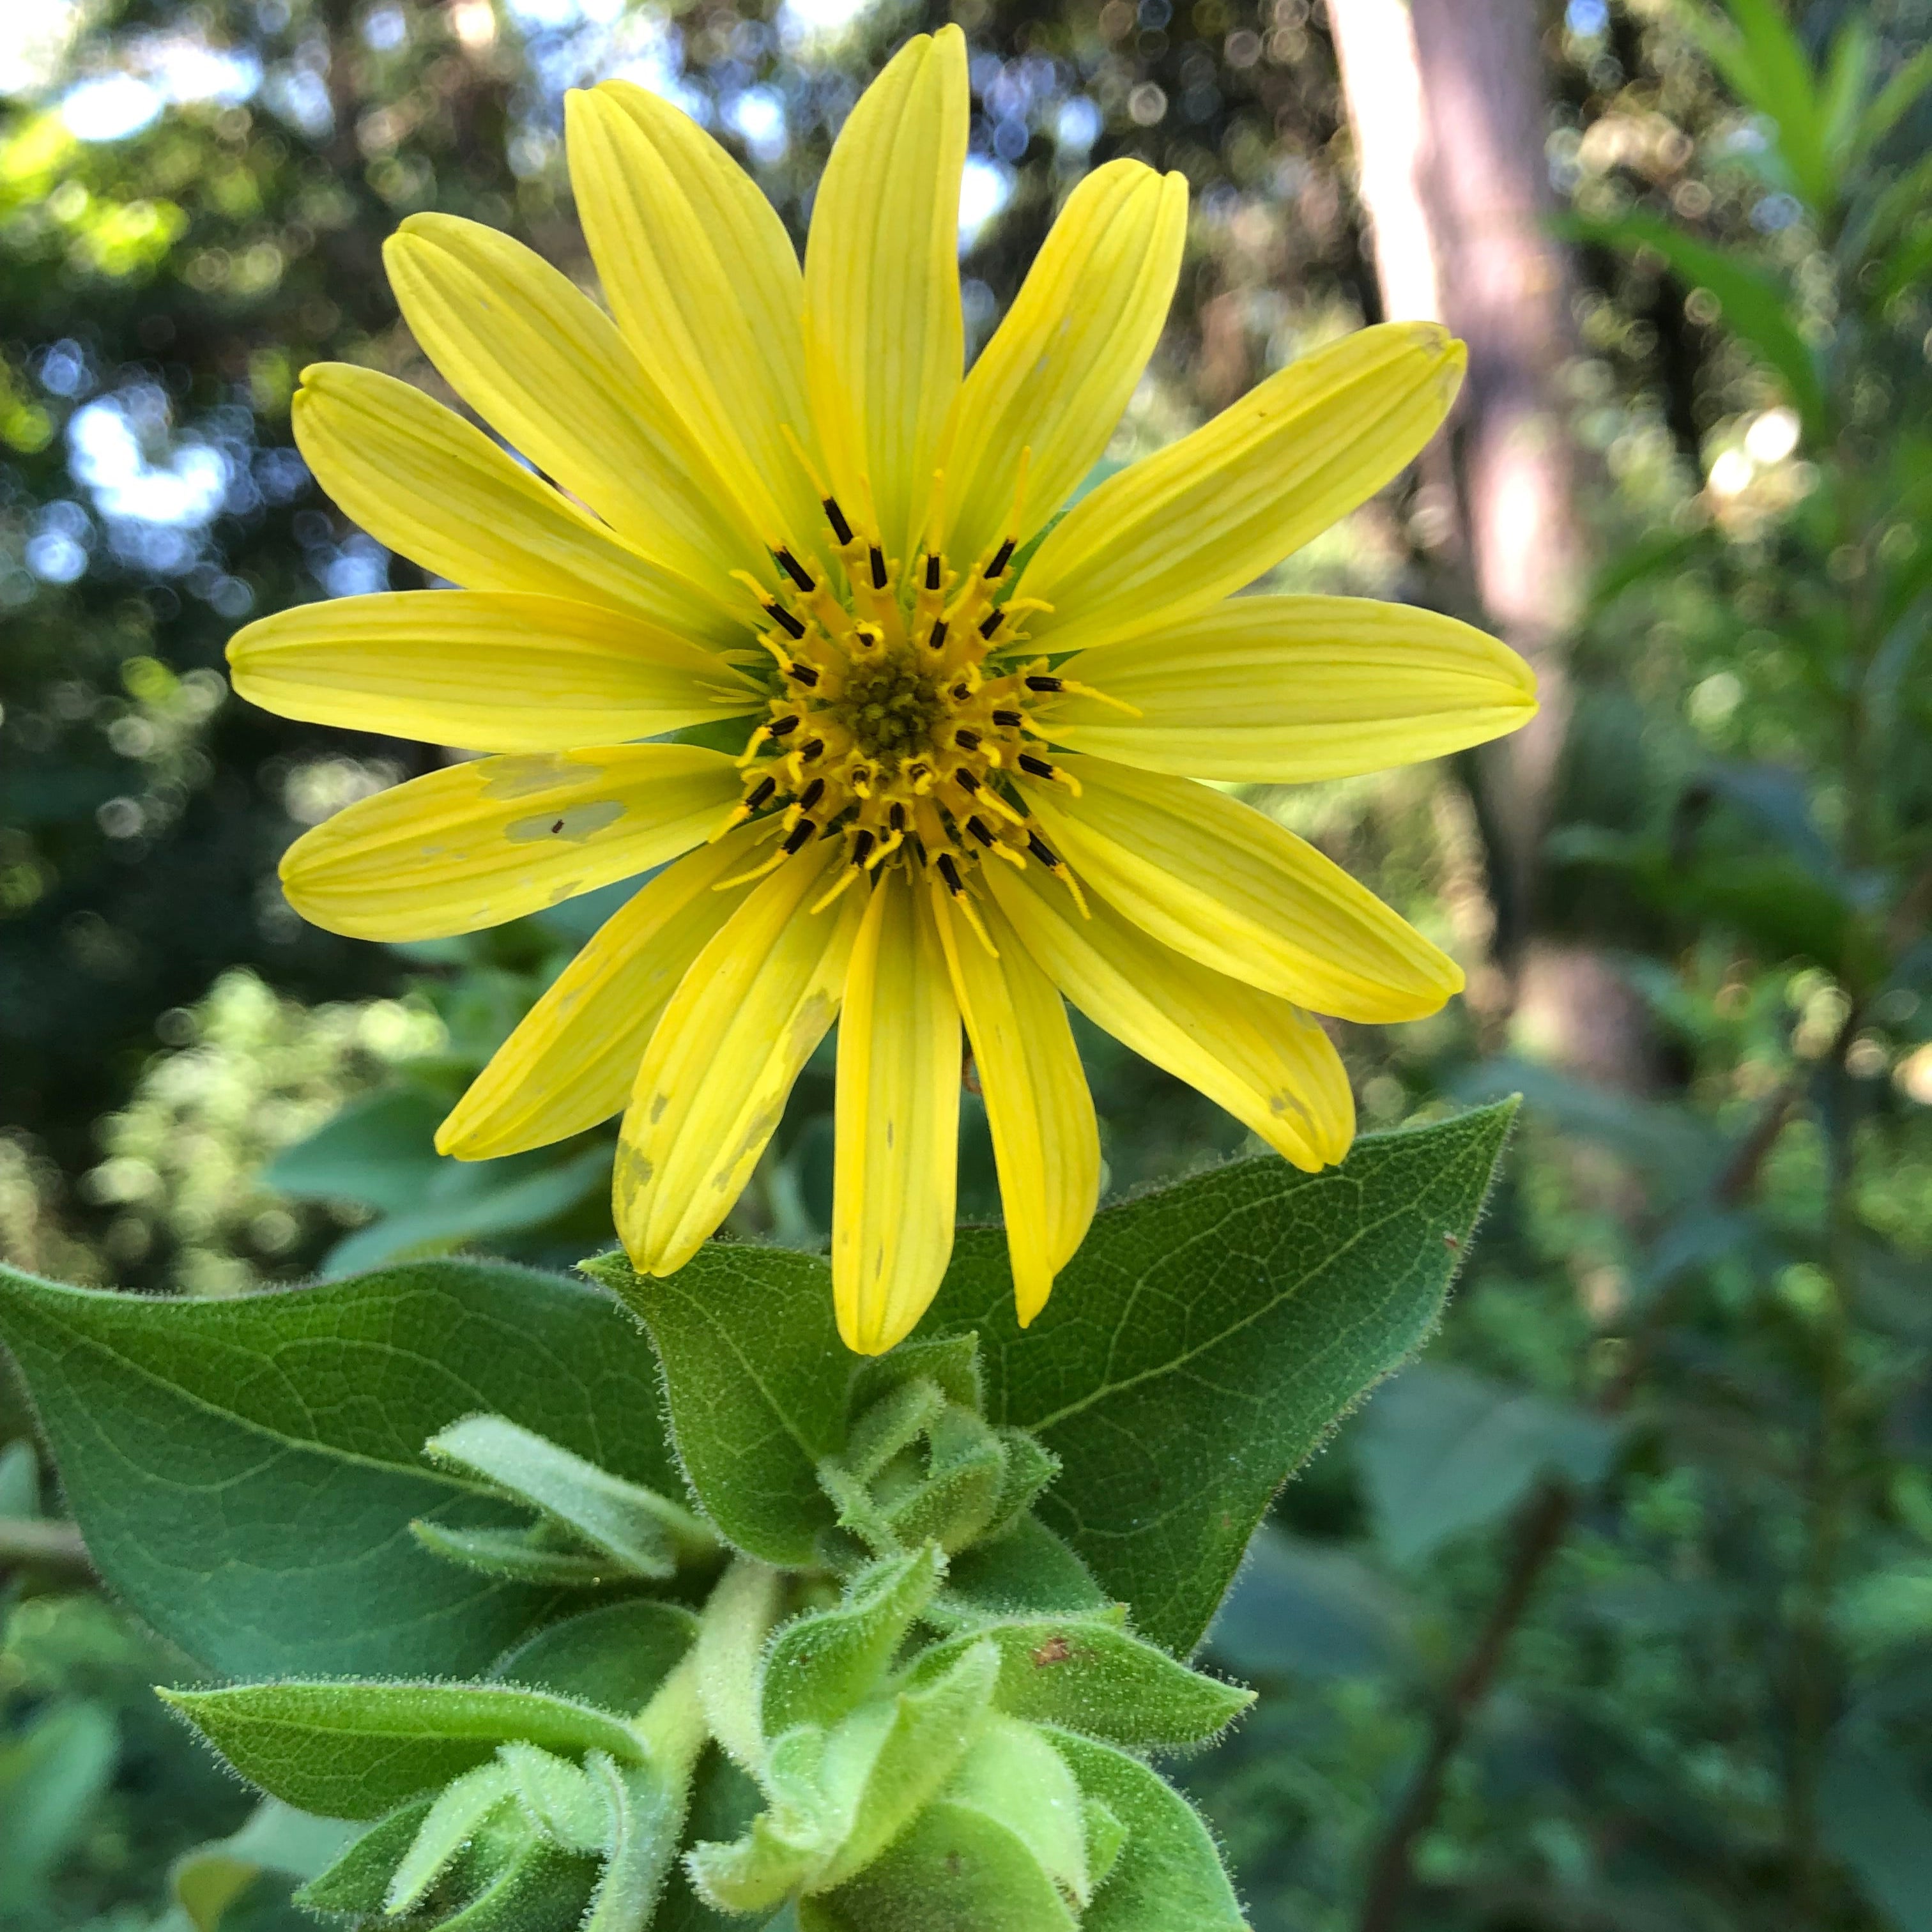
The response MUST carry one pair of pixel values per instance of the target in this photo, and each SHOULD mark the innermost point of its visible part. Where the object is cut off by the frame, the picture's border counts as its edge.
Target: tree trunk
(1446, 103)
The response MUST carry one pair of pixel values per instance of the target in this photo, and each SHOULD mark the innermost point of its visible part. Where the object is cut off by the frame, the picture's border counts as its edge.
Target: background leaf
(245, 1471)
(1442, 1450)
(1207, 1337)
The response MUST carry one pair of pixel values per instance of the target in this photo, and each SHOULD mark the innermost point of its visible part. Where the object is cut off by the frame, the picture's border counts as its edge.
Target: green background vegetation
(1616, 1612)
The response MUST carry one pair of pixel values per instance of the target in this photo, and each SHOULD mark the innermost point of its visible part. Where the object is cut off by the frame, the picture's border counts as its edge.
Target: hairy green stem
(730, 1636)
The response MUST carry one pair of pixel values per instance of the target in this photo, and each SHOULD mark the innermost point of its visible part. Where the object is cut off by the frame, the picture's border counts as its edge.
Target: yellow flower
(972, 728)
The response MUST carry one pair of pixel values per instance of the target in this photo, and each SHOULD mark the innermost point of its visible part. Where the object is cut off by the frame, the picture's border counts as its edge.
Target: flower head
(969, 724)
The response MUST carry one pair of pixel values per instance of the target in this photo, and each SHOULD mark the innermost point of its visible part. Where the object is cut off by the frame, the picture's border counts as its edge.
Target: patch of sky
(801, 24)
(1077, 127)
(162, 69)
(1586, 19)
(758, 114)
(984, 189)
(299, 95)
(57, 551)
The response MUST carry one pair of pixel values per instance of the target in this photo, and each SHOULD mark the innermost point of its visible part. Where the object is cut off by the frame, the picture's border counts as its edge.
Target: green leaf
(353, 1750)
(1302, 1609)
(1442, 1450)
(1872, 1817)
(1029, 1571)
(1207, 1337)
(1848, 71)
(641, 1531)
(1094, 1678)
(1893, 101)
(358, 1881)
(820, 1665)
(917, 1743)
(558, 1797)
(757, 1380)
(614, 1657)
(518, 1555)
(245, 1471)
(540, 1890)
(379, 1151)
(1168, 1874)
(1754, 306)
(1765, 64)
(208, 1879)
(449, 1827)
(52, 1777)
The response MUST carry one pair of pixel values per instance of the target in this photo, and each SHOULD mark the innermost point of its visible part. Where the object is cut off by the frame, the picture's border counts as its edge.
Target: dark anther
(878, 567)
(793, 568)
(960, 694)
(950, 872)
(558, 826)
(812, 794)
(937, 639)
(1044, 683)
(1040, 768)
(835, 517)
(932, 570)
(800, 836)
(1042, 851)
(862, 843)
(1008, 720)
(967, 741)
(810, 750)
(991, 622)
(977, 826)
(783, 727)
(1002, 557)
(804, 673)
(896, 817)
(785, 621)
(966, 781)
(765, 787)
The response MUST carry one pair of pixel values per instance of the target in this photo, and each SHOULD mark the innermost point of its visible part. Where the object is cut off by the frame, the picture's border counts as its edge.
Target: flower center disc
(904, 713)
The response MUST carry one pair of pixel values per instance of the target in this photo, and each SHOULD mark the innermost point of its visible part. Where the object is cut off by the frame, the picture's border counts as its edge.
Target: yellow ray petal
(420, 479)
(491, 670)
(898, 1142)
(704, 282)
(1295, 688)
(497, 837)
(538, 360)
(1265, 1061)
(1061, 367)
(1179, 530)
(1046, 1143)
(756, 1001)
(571, 1062)
(884, 340)
(1216, 881)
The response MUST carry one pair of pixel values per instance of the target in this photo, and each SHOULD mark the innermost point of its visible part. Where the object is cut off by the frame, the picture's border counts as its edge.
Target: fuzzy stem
(730, 1638)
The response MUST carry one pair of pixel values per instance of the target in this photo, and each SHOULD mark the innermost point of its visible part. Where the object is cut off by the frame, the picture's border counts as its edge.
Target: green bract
(880, 1643)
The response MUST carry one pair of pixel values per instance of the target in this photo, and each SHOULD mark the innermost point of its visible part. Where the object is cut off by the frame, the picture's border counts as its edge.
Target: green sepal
(558, 1798)
(959, 1869)
(1091, 1676)
(820, 1666)
(966, 1468)
(614, 1656)
(358, 1880)
(951, 1362)
(354, 1750)
(638, 1530)
(890, 1425)
(1167, 1874)
(1029, 1571)
(1106, 1837)
(786, 1842)
(1030, 1467)
(1013, 1775)
(453, 1825)
(517, 1555)
(892, 1769)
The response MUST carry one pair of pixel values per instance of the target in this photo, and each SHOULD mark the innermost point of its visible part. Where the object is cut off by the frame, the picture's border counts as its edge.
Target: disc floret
(905, 707)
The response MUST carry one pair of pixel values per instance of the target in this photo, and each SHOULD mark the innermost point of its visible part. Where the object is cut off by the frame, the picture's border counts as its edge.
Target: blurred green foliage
(1674, 1448)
